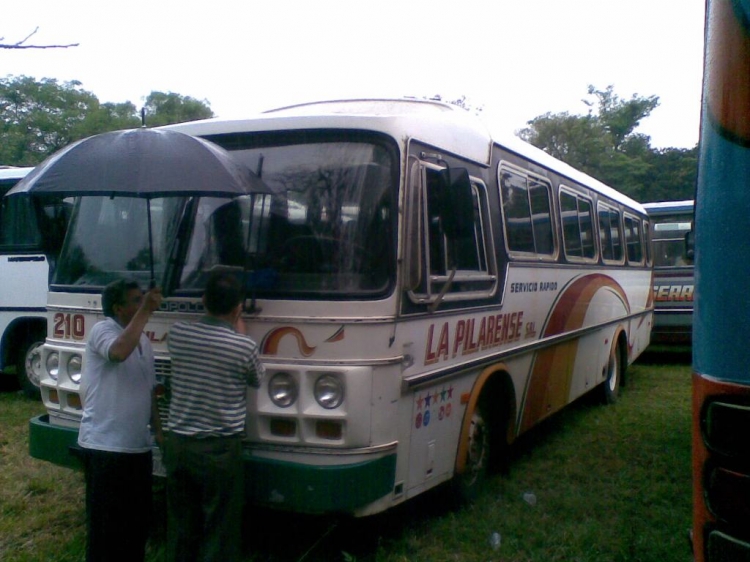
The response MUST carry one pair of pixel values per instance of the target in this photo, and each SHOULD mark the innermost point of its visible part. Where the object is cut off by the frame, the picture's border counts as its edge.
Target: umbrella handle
(152, 283)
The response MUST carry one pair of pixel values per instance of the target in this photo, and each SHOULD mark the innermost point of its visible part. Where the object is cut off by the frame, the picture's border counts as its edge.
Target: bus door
(451, 267)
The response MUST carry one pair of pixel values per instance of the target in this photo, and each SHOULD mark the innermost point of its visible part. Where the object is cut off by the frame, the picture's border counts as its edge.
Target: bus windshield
(669, 242)
(324, 229)
(108, 239)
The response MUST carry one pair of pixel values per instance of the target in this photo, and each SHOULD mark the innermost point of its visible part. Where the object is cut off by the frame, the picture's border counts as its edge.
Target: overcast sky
(517, 59)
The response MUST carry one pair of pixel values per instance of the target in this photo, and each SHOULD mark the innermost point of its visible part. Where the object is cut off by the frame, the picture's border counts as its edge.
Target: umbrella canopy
(146, 163)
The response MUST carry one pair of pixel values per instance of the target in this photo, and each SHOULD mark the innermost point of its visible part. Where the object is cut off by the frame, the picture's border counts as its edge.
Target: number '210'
(69, 326)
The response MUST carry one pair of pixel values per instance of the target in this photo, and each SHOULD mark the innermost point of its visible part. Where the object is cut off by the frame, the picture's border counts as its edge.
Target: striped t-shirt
(211, 368)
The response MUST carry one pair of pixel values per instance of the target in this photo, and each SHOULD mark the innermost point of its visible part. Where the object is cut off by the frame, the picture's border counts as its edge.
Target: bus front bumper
(53, 443)
(309, 488)
(285, 485)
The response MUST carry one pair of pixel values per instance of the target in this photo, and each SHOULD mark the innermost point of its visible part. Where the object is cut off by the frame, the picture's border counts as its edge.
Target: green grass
(41, 505)
(611, 484)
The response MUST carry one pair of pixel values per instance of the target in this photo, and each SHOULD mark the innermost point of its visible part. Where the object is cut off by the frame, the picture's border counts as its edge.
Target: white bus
(672, 231)
(31, 233)
(422, 293)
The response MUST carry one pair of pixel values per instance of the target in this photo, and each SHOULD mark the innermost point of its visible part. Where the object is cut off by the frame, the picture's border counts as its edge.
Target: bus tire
(29, 365)
(610, 388)
(468, 485)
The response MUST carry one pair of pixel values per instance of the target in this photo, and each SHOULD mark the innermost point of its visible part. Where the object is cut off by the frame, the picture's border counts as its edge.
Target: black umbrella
(146, 163)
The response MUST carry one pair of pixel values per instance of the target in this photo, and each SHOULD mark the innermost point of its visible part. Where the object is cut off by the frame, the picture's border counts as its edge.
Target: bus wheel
(29, 366)
(611, 386)
(467, 485)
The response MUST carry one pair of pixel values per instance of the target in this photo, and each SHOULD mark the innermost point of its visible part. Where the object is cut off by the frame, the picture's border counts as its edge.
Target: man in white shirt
(119, 412)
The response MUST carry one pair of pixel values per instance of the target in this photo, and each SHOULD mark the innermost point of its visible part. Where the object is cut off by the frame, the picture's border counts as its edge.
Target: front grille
(163, 367)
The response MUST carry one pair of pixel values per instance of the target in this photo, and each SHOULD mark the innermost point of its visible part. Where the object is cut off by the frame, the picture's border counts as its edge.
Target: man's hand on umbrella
(152, 299)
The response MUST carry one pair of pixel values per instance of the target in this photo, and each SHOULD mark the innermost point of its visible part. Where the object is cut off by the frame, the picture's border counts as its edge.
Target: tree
(673, 174)
(37, 118)
(620, 118)
(165, 108)
(604, 144)
(577, 140)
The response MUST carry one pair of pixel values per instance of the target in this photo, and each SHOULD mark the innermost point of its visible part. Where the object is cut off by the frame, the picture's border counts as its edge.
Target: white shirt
(116, 396)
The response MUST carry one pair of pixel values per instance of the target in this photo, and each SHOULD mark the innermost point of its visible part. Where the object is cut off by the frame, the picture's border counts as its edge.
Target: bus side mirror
(457, 204)
(690, 246)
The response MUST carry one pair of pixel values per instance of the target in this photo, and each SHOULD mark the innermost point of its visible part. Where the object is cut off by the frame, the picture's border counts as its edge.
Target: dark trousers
(118, 505)
(205, 496)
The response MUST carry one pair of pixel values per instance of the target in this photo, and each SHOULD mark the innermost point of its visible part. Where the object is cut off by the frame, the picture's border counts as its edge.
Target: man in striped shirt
(213, 363)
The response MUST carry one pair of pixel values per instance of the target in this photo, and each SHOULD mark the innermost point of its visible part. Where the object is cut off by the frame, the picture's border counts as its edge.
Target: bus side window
(609, 233)
(527, 213)
(19, 227)
(578, 226)
(455, 262)
(464, 249)
(633, 239)
(520, 237)
(438, 251)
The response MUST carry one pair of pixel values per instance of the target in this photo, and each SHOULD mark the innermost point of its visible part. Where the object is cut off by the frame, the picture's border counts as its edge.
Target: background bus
(31, 234)
(672, 225)
(721, 354)
(422, 294)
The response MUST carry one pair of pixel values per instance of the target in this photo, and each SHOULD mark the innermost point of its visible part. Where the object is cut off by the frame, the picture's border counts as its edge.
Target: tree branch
(21, 44)
(3, 46)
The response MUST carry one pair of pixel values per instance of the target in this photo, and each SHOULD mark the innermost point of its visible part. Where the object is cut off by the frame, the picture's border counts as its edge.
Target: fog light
(53, 397)
(282, 427)
(332, 430)
(74, 401)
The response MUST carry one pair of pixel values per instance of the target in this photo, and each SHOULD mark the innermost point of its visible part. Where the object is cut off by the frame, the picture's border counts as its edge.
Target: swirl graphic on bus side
(270, 343)
(548, 387)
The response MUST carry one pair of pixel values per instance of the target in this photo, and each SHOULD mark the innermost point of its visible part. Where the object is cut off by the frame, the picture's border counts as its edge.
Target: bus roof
(13, 173)
(665, 207)
(430, 121)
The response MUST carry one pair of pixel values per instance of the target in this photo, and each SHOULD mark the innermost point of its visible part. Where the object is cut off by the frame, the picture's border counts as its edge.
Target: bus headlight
(53, 364)
(329, 391)
(283, 390)
(74, 368)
